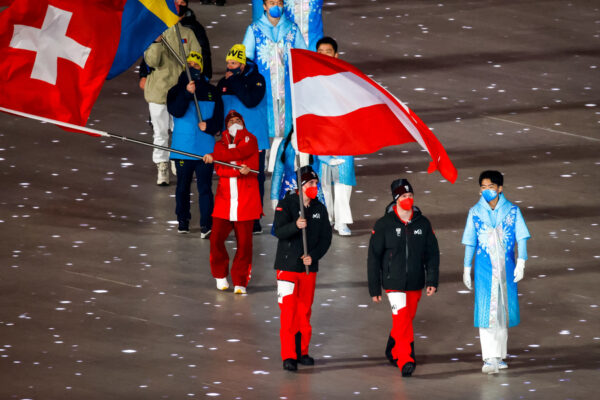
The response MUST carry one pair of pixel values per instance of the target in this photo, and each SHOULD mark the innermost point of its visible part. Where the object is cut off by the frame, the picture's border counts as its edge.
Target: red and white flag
(55, 55)
(338, 110)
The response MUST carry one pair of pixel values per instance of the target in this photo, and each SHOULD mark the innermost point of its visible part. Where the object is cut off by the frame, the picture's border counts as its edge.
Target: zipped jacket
(402, 256)
(289, 246)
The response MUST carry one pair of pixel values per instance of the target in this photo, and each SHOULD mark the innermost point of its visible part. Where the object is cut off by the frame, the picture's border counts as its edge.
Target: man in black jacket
(403, 258)
(295, 285)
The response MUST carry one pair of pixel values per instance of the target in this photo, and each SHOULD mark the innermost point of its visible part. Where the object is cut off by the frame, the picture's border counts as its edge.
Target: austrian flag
(338, 110)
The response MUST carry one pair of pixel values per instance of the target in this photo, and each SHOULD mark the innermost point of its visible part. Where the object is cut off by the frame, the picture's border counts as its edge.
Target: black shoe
(257, 229)
(408, 369)
(184, 227)
(306, 360)
(388, 351)
(290, 364)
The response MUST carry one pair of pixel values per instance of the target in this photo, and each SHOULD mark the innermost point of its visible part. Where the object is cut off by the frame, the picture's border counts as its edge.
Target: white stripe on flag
(342, 93)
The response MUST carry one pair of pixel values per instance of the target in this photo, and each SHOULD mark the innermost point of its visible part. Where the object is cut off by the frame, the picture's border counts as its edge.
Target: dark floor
(101, 299)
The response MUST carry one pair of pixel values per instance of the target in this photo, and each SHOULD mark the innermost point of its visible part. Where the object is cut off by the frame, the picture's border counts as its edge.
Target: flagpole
(298, 177)
(187, 70)
(173, 52)
(115, 136)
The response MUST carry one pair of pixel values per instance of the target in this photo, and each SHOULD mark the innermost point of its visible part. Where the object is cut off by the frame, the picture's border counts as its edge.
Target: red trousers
(402, 324)
(241, 267)
(295, 295)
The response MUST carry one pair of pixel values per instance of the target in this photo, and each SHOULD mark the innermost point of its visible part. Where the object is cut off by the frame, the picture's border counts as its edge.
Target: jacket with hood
(289, 246)
(237, 197)
(187, 136)
(402, 256)
(245, 93)
(166, 68)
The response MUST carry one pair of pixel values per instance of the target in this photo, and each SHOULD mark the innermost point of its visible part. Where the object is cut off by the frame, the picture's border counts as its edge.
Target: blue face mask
(489, 194)
(196, 74)
(276, 11)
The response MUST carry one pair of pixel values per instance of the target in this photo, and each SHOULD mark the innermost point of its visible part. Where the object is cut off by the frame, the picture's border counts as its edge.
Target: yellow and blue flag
(142, 22)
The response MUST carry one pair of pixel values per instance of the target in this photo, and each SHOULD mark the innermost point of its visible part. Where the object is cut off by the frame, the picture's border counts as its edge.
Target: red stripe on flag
(321, 134)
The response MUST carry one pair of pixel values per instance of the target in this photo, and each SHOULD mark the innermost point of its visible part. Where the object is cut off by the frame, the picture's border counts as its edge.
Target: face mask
(182, 10)
(311, 192)
(276, 11)
(489, 194)
(234, 128)
(196, 74)
(235, 71)
(407, 204)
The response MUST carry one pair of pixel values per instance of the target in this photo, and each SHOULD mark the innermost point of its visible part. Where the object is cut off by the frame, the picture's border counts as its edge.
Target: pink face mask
(311, 192)
(407, 204)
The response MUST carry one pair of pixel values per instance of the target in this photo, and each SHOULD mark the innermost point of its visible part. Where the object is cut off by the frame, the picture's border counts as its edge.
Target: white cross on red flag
(55, 55)
(338, 110)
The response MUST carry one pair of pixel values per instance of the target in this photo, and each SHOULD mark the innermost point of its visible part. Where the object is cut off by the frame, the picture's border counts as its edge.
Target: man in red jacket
(237, 203)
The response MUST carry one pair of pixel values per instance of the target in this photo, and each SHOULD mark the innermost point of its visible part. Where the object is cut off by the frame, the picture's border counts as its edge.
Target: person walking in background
(243, 89)
(195, 137)
(165, 73)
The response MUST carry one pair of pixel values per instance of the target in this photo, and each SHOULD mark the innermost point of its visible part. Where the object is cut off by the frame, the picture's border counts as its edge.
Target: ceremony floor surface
(100, 298)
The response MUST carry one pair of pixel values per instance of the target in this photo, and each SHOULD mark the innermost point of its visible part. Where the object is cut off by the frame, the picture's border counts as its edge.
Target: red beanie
(232, 114)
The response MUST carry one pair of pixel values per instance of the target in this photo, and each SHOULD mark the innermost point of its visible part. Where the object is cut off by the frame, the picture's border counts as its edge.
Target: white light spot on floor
(534, 345)
(233, 340)
(564, 332)
(128, 351)
(259, 372)
(100, 291)
(463, 291)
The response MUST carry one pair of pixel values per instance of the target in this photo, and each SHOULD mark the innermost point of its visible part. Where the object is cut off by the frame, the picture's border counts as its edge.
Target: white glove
(274, 204)
(467, 278)
(336, 161)
(519, 270)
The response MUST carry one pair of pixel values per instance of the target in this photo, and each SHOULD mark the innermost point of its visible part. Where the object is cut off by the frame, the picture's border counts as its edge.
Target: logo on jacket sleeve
(398, 231)
(316, 216)
(418, 232)
(247, 139)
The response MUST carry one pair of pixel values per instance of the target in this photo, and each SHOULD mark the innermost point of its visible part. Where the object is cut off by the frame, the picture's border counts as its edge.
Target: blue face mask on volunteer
(489, 194)
(276, 11)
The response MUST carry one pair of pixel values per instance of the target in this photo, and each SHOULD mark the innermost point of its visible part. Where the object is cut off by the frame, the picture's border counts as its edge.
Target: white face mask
(234, 128)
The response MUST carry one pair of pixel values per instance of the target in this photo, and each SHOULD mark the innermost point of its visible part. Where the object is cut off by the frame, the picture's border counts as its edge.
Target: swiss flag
(340, 111)
(55, 55)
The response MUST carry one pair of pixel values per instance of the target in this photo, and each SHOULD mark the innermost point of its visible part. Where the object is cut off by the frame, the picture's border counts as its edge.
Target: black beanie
(399, 187)
(307, 174)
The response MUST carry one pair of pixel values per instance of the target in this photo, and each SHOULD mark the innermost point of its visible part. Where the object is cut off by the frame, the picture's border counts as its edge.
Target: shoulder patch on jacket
(247, 139)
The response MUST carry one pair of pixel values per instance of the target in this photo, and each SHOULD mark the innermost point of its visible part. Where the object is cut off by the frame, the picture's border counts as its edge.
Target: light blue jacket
(345, 169)
(259, 40)
(479, 232)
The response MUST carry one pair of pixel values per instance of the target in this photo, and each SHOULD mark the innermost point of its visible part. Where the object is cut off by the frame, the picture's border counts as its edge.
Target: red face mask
(407, 204)
(311, 192)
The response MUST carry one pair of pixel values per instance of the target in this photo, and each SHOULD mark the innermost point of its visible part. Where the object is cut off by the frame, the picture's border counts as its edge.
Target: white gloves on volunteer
(519, 273)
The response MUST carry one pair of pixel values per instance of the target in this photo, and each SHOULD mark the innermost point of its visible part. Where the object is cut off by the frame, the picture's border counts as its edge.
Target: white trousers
(337, 196)
(161, 122)
(494, 340)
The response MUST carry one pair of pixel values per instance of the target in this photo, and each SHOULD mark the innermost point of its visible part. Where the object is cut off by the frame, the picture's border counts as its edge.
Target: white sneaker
(490, 366)
(222, 283)
(502, 364)
(239, 290)
(162, 178)
(342, 229)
